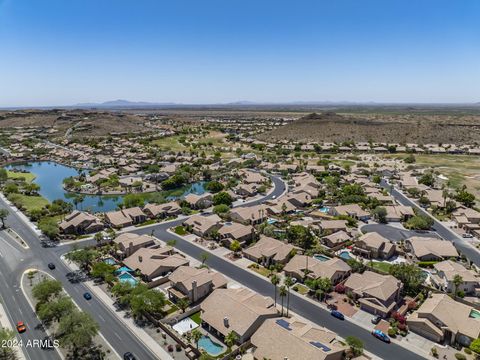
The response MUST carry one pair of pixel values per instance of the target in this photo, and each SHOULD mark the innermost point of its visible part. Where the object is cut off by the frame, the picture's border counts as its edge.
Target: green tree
(98, 237)
(133, 200)
(3, 216)
(410, 275)
(419, 222)
(49, 227)
(7, 352)
(183, 304)
(457, 281)
(235, 246)
(300, 236)
(288, 283)
(464, 197)
(275, 280)
(144, 300)
(475, 346)
(380, 213)
(410, 159)
(231, 339)
(196, 336)
(76, 331)
(222, 198)
(102, 270)
(10, 188)
(282, 292)
(46, 289)
(356, 345)
(221, 209)
(55, 309)
(3, 175)
(427, 179)
(204, 257)
(214, 187)
(82, 257)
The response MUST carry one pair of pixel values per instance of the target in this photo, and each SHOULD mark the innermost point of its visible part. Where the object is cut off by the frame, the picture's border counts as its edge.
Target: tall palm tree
(275, 280)
(282, 292)
(196, 336)
(288, 282)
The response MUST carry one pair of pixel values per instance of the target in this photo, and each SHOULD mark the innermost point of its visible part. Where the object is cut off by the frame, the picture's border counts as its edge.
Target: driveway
(395, 234)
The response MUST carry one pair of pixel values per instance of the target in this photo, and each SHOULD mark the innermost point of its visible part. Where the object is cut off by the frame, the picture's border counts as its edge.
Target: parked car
(381, 336)
(467, 236)
(87, 296)
(129, 356)
(376, 319)
(51, 266)
(337, 314)
(21, 328)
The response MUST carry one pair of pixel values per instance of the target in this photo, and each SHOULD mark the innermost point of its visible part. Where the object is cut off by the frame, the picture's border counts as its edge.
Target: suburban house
(445, 273)
(269, 251)
(239, 310)
(352, 210)
(154, 262)
(155, 211)
(336, 240)
(291, 338)
(199, 201)
(427, 249)
(249, 215)
(203, 225)
(376, 293)
(79, 222)
(334, 269)
(125, 217)
(236, 231)
(442, 319)
(194, 284)
(128, 243)
(374, 246)
(330, 226)
(397, 213)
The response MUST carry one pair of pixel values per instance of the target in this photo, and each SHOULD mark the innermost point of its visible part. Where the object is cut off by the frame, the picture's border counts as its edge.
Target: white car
(466, 235)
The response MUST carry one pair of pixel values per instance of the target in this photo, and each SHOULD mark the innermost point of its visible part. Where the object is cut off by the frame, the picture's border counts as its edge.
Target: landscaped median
(77, 332)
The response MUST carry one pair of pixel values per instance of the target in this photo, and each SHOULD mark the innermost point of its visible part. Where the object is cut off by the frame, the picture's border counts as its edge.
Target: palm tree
(275, 280)
(196, 336)
(282, 293)
(457, 281)
(204, 257)
(288, 282)
(445, 196)
(231, 339)
(183, 304)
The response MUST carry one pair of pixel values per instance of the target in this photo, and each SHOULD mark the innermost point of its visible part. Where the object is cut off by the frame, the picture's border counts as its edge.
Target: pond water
(50, 175)
(195, 188)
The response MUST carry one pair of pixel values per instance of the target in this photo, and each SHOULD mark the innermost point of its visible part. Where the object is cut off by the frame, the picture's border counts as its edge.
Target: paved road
(462, 246)
(120, 337)
(394, 233)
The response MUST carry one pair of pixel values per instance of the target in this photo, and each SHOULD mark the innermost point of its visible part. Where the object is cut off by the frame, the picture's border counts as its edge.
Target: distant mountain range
(122, 103)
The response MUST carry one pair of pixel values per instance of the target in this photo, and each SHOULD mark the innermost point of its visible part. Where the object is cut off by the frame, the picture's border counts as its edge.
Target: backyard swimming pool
(321, 257)
(210, 346)
(110, 261)
(126, 277)
(345, 255)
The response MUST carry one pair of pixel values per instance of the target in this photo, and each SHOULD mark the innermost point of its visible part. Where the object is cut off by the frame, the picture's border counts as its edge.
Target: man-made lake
(50, 175)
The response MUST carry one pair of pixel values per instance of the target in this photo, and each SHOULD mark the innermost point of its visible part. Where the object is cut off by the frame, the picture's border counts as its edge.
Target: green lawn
(260, 270)
(301, 289)
(180, 230)
(196, 317)
(169, 143)
(29, 177)
(381, 266)
(29, 202)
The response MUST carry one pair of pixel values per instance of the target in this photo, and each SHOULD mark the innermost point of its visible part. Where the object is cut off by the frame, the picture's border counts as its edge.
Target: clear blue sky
(59, 52)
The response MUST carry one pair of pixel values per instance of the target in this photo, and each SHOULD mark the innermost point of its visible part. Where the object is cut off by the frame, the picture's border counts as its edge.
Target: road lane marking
(118, 336)
(101, 317)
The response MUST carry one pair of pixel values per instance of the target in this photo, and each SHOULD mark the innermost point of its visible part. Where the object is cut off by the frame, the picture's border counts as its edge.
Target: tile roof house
(239, 310)
(203, 225)
(80, 223)
(335, 269)
(398, 213)
(199, 201)
(426, 249)
(292, 339)
(376, 293)
(353, 210)
(154, 262)
(336, 240)
(193, 283)
(128, 243)
(125, 217)
(236, 231)
(374, 246)
(445, 273)
(162, 210)
(268, 251)
(249, 215)
(442, 319)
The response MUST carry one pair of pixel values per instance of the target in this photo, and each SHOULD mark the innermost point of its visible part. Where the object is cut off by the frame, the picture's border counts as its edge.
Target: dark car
(376, 319)
(51, 266)
(87, 296)
(129, 356)
(381, 335)
(337, 314)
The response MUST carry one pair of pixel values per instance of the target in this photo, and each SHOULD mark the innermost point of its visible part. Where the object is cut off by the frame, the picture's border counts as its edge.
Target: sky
(63, 52)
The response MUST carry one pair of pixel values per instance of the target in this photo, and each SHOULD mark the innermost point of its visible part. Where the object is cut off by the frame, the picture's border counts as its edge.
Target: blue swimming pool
(271, 221)
(210, 346)
(123, 269)
(126, 277)
(324, 209)
(321, 257)
(345, 255)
